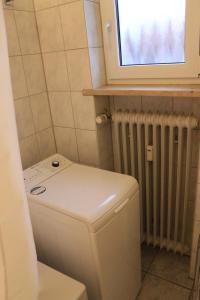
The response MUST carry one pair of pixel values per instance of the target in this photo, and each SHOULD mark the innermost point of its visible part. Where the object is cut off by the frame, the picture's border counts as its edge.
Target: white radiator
(156, 149)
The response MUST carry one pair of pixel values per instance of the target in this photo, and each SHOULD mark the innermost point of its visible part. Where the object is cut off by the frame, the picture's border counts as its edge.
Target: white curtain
(18, 268)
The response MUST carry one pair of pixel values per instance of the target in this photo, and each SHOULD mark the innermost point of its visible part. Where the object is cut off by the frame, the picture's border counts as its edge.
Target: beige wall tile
(105, 142)
(157, 104)
(41, 111)
(29, 151)
(130, 103)
(182, 106)
(61, 109)
(56, 71)
(34, 73)
(197, 204)
(102, 104)
(84, 111)
(24, 118)
(41, 4)
(66, 142)
(65, 1)
(46, 143)
(108, 164)
(27, 31)
(13, 42)
(196, 107)
(26, 5)
(18, 77)
(79, 69)
(87, 147)
(93, 24)
(50, 32)
(97, 65)
(73, 24)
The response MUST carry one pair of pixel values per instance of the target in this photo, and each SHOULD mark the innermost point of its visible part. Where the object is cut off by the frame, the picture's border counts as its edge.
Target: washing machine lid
(84, 192)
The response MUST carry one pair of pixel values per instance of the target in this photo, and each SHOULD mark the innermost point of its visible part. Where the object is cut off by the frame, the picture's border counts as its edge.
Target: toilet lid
(84, 192)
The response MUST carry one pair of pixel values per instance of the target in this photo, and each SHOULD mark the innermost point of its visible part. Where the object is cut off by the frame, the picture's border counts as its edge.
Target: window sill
(192, 91)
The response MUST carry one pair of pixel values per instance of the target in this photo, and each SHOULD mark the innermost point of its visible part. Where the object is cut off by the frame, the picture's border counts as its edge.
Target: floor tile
(172, 267)
(148, 255)
(155, 288)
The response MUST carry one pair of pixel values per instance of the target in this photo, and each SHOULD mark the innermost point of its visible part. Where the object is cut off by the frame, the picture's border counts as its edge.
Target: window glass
(151, 31)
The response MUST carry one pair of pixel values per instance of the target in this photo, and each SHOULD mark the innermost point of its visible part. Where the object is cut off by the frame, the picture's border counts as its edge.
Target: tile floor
(164, 275)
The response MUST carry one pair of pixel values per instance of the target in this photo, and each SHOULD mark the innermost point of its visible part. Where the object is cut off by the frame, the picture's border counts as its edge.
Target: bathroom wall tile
(79, 69)
(34, 72)
(108, 164)
(46, 143)
(73, 24)
(29, 151)
(102, 104)
(196, 107)
(42, 4)
(41, 111)
(26, 5)
(13, 42)
(84, 111)
(50, 31)
(61, 109)
(65, 1)
(24, 118)
(66, 142)
(105, 145)
(197, 204)
(27, 31)
(128, 103)
(7, 6)
(18, 77)
(97, 65)
(157, 104)
(56, 71)
(87, 147)
(182, 105)
(93, 24)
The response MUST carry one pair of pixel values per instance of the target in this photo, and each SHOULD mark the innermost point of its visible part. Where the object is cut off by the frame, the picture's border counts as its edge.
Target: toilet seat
(56, 286)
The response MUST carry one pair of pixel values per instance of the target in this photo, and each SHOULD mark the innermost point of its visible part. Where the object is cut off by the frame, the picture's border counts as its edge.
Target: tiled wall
(71, 42)
(29, 85)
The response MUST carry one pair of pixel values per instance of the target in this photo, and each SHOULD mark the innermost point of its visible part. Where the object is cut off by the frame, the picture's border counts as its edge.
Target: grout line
(42, 59)
(69, 81)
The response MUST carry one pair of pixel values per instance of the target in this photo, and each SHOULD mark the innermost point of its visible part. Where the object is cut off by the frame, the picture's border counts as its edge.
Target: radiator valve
(102, 119)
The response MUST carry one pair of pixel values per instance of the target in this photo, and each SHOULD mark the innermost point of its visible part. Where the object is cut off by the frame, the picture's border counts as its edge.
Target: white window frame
(189, 69)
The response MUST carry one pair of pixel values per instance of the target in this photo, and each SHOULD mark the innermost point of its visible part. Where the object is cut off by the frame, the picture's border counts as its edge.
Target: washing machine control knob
(55, 164)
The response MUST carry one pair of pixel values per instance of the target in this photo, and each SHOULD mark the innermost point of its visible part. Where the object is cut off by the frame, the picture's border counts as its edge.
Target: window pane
(151, 31)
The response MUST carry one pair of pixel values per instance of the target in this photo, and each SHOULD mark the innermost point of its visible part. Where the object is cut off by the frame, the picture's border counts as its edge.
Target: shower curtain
(18, 263)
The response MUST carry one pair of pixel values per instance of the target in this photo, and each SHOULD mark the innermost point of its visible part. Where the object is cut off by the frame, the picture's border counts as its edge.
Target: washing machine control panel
(45, 169)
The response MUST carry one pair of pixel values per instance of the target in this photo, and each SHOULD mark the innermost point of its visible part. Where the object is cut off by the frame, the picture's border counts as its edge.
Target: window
(151, 39)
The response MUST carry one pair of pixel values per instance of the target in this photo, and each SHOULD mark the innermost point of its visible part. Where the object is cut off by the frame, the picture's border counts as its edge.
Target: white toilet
(86, 224)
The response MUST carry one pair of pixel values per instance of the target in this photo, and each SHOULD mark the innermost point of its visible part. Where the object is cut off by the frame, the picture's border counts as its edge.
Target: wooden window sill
(192, 91)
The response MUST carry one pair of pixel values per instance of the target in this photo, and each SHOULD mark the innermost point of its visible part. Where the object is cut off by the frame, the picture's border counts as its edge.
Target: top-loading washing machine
(86, 224)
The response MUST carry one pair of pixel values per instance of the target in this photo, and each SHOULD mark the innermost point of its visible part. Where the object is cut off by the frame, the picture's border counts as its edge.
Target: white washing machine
(86, 224)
